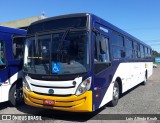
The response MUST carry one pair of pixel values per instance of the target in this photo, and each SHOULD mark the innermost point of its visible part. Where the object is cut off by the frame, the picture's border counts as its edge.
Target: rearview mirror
(103, 48)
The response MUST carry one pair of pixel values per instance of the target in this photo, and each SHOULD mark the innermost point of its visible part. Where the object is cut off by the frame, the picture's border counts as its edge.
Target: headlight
(26, 85)
(84, 86)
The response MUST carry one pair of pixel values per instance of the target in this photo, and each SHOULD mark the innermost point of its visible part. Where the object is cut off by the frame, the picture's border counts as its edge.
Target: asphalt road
(139, 100)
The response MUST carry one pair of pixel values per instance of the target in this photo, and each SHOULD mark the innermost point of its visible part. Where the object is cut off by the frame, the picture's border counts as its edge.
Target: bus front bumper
(73, 103)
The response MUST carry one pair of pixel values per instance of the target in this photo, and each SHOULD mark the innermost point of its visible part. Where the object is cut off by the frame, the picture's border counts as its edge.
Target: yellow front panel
(82, 103)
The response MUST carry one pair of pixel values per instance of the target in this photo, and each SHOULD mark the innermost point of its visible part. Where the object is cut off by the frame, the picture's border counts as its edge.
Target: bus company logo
(6, 117)
(51, 91)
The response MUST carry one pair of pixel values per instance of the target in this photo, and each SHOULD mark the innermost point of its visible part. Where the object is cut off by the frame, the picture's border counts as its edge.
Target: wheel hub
(115, 93)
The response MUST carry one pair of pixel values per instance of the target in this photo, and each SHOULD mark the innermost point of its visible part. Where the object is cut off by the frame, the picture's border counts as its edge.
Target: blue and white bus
(11, 63)
(80, 62)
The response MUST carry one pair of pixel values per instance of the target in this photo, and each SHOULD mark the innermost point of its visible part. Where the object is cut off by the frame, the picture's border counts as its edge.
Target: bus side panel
(136, 71)
(5, 90)
(0, 93)
(10, 73)
(15, 71)
(150, 69)
(112, 73)
(14, 66)
(4, 71)
(130, 73)
(122, 71)
(103, 81)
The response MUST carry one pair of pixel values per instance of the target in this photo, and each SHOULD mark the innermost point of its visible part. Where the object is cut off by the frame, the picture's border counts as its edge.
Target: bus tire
(116, 94)
(16, 95)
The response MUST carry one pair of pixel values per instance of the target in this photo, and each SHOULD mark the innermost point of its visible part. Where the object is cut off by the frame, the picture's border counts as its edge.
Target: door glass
(101, 59)
(2, 55)
(18, 47)
(100, 56)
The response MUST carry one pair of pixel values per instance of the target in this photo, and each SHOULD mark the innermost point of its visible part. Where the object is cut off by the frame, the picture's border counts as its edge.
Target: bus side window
(18, 43)
(118, 46)
(2, 55)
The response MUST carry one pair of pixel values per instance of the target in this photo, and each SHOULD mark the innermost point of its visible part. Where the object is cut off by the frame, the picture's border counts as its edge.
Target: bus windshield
(57, 53)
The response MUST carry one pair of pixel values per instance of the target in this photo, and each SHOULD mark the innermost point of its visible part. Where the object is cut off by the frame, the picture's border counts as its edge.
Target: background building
(22, 23)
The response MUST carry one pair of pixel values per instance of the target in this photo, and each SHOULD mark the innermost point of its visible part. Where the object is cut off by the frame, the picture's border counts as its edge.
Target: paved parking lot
(140, 100)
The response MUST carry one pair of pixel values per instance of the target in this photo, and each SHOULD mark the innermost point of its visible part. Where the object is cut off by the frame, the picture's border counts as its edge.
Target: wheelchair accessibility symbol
(56, 67)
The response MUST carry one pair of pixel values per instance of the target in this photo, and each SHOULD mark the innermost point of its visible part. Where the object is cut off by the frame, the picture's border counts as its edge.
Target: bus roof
(116, 29)
(12, 30)
(96, 18)
(60, 17)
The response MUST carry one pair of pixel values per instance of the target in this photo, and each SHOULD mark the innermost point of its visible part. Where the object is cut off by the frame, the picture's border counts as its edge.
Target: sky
(140, 18)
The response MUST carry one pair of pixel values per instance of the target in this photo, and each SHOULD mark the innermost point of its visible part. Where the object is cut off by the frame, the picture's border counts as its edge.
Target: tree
(155, 54)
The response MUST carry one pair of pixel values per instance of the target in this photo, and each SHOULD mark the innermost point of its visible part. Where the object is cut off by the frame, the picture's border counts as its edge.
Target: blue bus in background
(11, 62)
(80, 62)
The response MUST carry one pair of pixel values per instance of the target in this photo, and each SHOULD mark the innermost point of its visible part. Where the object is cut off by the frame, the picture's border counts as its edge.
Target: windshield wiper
(59, 49)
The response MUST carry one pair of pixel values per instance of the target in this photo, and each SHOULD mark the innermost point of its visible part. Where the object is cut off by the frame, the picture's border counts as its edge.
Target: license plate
(49, 102)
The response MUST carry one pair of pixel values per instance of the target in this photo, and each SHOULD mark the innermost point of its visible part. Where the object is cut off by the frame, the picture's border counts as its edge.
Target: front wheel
(16, 95)
(115, 96)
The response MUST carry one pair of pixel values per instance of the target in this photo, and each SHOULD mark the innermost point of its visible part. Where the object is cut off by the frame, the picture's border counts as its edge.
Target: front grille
(58, 95)
(52, 86)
